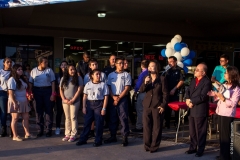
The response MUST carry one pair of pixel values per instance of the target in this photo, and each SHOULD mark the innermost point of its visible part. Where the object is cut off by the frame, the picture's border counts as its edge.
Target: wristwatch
(104, 109)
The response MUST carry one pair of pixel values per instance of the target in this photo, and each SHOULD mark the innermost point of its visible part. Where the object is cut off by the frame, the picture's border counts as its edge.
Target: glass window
(152, 51)
(74, 49)
(125, 49)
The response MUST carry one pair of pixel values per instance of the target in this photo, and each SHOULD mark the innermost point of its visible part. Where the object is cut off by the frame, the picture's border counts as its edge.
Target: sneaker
(72, 139)
(135, 130)
(30, 137)
(18, 138)
(57, 131)
(66, 138)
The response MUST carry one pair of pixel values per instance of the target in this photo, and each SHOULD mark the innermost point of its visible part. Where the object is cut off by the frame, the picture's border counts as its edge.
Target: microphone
(149, 74)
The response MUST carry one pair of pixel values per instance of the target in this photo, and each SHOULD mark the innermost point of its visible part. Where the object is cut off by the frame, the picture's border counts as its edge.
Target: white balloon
(178, 56)
(174, 41)
(180, 64)
(178, 37)
(169, 52)
(185, 51)
(169, 45)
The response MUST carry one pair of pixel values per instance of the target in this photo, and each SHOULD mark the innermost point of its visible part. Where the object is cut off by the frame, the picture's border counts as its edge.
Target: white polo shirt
(42, 78)
(96, 91)
(4, 75)
(118, 81)
(87, 78)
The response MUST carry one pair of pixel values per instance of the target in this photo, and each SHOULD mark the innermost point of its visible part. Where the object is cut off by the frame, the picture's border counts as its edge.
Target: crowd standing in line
(106, 96)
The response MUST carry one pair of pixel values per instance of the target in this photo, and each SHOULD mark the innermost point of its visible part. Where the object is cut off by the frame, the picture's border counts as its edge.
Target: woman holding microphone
(226, 109)
(154, 102)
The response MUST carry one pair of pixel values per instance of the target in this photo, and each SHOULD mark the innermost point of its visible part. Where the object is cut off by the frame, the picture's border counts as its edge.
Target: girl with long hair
(71, 85)
(59, 108)
(17, 102)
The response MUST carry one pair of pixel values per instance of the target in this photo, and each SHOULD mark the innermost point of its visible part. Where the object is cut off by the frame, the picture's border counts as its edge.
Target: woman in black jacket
(154, 103)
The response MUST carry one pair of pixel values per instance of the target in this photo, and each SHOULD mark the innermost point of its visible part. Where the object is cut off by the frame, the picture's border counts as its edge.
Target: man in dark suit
(83, 67)
(198, 102)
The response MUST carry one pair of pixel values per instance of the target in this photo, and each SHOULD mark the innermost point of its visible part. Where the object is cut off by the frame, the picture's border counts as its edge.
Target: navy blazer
(198, 96)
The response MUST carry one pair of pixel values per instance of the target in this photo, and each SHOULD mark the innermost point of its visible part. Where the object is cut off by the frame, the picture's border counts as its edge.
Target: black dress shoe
(40, 134)
(79, 143)
(111, 140)
(125, 141)
(97, 144)
(49, 134)
(190, 152)
(198, 154)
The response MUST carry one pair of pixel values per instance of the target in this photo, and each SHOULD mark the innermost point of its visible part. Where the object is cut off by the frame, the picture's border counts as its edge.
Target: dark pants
(224, 125)
(132, 117)
(59, 111)
(168, 111)
(3, 107)
(152, 128)
(198, 133)
(93, 113)
(119, 112)
(43, 104)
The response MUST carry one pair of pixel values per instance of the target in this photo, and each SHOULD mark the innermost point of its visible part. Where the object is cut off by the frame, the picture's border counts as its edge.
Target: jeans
(3, 107)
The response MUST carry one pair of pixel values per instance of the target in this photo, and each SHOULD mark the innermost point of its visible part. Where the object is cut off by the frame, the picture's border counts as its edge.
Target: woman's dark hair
(60, 69)
(4, 60)
(233, 76)
(92, 72)
(40, 59)
(158, 67)
(15, 75)
(66, 77)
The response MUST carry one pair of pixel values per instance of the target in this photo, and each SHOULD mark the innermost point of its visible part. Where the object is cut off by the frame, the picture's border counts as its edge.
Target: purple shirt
(141, 76)
(228, 108)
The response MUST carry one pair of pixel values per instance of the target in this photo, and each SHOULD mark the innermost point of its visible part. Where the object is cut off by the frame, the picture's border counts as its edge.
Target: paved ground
(53, 148)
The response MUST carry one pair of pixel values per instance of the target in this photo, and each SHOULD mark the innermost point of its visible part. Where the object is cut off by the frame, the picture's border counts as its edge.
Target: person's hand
(52, 98)
(211, 93)
(115, 98)
(84, 110)
(190, 105)
(187, 101)
(147, 79)
(172, 92)
(103, 112)
(65, 101)
(161, 110)
(70, 102)
(115, 103)
(15, 106)
(219, 95)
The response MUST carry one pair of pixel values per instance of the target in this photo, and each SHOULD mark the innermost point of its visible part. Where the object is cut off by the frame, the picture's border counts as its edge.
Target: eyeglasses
(197, 70)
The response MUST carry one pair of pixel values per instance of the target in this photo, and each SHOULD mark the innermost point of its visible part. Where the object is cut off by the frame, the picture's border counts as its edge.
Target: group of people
(104, 98)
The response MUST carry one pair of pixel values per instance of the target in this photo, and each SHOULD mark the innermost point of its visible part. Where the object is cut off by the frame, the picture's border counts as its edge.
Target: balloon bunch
(181, 51)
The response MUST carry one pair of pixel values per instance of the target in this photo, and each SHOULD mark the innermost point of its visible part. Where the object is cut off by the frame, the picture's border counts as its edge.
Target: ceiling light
(67, 45)
(136, 49)
(81, 40)
(64, 48)
(120, 42)
(105, 47)
(101, 14)
(75, 53)
(159, 45)
(119, 51)
(80, 52)
(91, 50)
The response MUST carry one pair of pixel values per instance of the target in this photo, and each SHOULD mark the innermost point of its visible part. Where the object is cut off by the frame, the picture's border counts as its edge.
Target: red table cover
(212, 107)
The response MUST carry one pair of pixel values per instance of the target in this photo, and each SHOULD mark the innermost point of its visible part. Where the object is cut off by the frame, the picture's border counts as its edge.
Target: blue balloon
(192, 54)
(178, 46)
(187, 62)
(186, 57)
(184, 44)
(185, 69)
(163, 53)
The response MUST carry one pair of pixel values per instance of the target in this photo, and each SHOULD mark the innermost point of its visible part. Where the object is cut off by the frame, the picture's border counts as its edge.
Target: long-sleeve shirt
(140, 80)
(228, 108)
